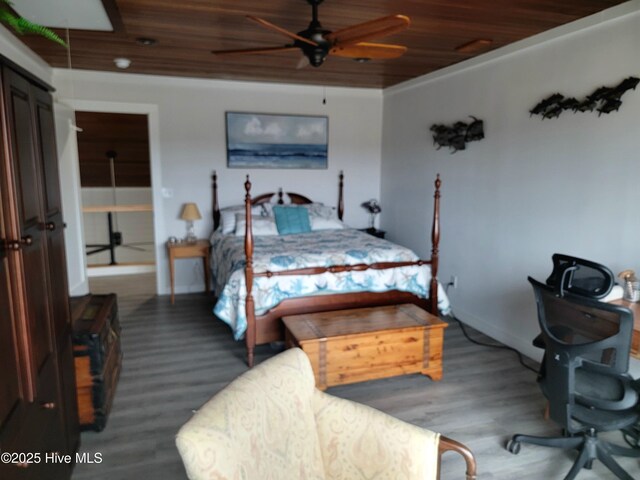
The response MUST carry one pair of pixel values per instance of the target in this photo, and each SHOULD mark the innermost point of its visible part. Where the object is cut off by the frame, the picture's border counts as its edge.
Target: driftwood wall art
(457, 135)
(602, 100)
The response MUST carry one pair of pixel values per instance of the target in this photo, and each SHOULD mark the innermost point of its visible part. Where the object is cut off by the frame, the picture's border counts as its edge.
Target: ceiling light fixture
(122, 62)
(362, 59)
(146, 41)
(474, 45)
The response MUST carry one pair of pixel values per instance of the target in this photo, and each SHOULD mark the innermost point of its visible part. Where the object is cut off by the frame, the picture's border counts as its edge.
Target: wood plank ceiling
(123, 133)
(187, 30)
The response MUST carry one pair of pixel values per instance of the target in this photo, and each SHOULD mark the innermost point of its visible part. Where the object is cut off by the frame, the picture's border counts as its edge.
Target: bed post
(215, 208)
(250, 335)
(280, 196)
(340, 195)
(435, 240)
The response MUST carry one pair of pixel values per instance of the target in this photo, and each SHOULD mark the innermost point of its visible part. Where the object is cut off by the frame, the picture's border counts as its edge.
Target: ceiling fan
(317, 43)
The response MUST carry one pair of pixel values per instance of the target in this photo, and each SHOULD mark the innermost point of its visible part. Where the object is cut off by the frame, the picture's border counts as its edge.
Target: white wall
(67, 144)
(531, 187)
(192, 144)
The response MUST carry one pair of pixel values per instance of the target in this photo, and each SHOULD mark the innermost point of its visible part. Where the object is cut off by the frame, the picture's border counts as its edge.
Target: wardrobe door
(57, 265)
(52, 212)
(33, 266)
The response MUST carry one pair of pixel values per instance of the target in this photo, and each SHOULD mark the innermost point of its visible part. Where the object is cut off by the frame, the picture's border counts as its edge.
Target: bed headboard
(295, 198)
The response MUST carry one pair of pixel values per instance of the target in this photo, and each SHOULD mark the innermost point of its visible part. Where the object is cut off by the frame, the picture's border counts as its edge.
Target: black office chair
(579, 277)
(586, 381)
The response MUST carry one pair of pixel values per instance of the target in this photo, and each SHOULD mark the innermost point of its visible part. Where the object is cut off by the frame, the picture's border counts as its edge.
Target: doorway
(117, 199)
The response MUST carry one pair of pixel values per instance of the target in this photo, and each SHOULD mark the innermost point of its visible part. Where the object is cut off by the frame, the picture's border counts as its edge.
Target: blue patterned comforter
(320, 248)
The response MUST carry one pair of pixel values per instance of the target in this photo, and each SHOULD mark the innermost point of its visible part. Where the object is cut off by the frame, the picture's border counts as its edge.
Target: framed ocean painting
(259, 140)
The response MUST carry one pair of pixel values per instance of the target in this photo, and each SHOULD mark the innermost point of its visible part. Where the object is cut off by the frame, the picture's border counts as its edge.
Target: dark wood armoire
(38, 410)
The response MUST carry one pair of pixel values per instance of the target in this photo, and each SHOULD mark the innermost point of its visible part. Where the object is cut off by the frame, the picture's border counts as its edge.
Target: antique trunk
(98, 357)
(349, 346)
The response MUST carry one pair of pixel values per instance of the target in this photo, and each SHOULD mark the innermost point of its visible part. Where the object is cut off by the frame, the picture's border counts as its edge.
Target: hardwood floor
(177, 357)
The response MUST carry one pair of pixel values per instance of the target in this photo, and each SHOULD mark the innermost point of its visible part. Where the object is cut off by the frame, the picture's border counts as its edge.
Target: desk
(635, 341)
(199, 249)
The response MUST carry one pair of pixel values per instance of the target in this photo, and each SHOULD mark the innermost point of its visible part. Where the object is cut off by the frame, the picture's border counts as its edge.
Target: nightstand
(199, 249)
(374, 232)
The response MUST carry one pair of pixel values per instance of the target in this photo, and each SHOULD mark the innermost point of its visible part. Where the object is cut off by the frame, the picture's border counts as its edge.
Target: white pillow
(320, 210)
(228, 217)
(320, 223)
(259, 225)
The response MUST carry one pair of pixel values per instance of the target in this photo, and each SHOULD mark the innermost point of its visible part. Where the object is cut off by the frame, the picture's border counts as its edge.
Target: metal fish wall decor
(602, 100)
(458, 135)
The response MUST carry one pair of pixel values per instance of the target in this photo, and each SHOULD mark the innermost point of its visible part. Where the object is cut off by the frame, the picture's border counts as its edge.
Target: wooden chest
(348, 346)
(97, 355)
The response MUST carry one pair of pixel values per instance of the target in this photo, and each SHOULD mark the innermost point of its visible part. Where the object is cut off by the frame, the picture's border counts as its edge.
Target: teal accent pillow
(291, 219)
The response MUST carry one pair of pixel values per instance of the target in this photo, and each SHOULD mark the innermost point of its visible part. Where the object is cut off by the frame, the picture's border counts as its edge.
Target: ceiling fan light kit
(122, 63)
(316, 43)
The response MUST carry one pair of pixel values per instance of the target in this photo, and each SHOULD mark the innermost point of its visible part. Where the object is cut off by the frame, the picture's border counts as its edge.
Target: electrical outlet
(454, 281)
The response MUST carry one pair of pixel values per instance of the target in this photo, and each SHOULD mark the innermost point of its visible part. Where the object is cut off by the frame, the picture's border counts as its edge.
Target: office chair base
(590, 448)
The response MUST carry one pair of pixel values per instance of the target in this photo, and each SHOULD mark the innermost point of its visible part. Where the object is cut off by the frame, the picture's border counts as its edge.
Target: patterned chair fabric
(272, 424)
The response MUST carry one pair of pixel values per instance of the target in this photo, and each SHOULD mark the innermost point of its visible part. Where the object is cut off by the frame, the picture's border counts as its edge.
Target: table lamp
(373, 207)
(190, 213)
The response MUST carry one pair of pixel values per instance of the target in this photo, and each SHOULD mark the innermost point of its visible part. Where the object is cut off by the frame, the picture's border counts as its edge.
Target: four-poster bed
(263, 325)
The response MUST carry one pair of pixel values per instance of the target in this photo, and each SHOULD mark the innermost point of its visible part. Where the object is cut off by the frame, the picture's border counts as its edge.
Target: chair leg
(611, 464)
(558, 442)
(613, 449)
(580, 462)
(590, 449)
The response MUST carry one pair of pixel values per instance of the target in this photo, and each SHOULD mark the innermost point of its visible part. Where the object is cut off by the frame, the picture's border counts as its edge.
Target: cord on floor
(489, 345)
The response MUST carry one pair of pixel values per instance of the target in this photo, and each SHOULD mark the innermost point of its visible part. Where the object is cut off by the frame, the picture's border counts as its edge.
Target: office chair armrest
(628, 400)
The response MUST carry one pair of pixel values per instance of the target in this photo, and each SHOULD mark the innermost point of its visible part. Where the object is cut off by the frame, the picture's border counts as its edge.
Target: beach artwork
(256, 140)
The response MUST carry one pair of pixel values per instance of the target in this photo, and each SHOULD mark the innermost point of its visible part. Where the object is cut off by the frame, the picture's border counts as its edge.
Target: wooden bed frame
(268, 327)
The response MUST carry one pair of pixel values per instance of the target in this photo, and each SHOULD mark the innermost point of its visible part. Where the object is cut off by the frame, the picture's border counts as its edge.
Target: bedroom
(517, 216)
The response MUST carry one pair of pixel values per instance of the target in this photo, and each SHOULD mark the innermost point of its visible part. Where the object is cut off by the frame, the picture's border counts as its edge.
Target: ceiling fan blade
(369, 50)
(378, 28)
(251, 51)
(280, 30)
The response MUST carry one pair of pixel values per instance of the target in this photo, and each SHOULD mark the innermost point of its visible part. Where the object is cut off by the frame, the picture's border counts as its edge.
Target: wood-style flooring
(176, 357)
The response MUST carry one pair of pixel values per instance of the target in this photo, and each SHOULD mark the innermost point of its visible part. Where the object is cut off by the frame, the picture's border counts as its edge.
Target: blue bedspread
(319, 248)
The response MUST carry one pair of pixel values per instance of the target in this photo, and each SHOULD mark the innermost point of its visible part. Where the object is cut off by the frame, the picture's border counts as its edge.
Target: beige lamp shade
(190, 212)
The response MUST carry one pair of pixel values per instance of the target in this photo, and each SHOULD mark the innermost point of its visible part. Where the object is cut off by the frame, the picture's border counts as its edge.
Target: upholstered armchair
(271, 423)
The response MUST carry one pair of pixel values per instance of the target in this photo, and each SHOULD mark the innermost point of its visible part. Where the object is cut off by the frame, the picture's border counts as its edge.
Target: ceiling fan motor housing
(315, 54)
(315, 33)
